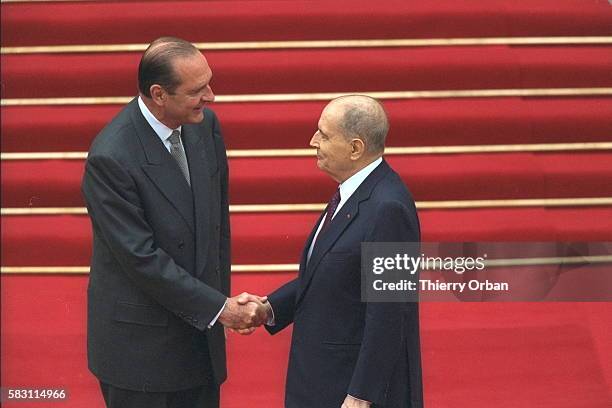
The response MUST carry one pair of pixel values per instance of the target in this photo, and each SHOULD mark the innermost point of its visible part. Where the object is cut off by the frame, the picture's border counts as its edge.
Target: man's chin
(197, 117)
(321, 165)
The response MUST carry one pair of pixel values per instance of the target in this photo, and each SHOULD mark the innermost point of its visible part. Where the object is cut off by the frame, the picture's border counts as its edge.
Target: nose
(314, 141)
(208, 95)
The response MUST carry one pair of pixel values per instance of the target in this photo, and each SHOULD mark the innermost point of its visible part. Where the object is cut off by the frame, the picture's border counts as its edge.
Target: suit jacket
(160, 269)
(341, 345)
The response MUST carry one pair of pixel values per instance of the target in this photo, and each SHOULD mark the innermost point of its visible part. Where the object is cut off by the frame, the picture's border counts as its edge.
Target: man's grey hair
(364, 118)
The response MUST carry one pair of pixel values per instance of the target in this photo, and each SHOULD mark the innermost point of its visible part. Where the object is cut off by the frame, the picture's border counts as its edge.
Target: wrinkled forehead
(333, 111)
(192, 66)
(195, 59)
(330, 119)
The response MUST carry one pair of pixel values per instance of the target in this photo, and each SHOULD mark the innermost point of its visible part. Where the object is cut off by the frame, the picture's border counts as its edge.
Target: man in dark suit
(156, 183)
(345, 352)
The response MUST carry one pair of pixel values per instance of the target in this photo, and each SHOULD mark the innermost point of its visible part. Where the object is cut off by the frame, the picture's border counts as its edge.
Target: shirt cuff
(214, 320)
(359, 399)
(270, 321)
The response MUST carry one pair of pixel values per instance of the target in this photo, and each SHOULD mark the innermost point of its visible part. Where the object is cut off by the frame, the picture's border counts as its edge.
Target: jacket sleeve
(225, 244)
(282, 301)
(114, 206)
(383, 338)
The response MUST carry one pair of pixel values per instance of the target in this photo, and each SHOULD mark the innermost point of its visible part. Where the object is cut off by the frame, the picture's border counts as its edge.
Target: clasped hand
(351, 402)
(245, 312)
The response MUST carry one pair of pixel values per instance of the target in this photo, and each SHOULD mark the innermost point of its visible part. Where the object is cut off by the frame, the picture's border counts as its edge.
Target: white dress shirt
(346, 191)
(164, 133)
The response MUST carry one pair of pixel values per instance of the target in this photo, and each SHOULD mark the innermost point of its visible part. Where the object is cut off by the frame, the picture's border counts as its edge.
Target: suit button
(181, 245)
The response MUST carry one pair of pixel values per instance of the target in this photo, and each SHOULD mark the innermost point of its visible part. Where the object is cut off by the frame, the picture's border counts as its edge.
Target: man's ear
(357, 149)
(158, 95)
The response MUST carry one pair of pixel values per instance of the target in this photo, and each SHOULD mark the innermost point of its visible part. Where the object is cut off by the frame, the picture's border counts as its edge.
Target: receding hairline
(177, 47)
(158, 45)
(363, 117)
(158, 63)
(366, 103)
(356, 100)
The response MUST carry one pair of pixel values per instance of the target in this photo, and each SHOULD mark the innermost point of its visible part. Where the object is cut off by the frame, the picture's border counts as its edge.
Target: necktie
(331, 209)
(176, 150)
(329, 213)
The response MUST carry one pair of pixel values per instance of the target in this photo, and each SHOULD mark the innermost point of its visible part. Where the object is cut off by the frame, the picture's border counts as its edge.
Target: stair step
(50, 183)
(329, 70)
(272, 125)
(109, 22)
(66, 240)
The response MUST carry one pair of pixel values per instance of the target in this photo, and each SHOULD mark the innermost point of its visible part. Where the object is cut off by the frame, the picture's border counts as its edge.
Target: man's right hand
(245, 311)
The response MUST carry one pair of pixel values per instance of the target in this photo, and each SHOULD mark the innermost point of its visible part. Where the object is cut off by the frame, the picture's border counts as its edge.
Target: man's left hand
(350, 402)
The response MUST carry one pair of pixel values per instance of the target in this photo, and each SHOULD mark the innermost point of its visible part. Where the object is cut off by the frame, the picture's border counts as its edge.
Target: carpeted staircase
(501, 125)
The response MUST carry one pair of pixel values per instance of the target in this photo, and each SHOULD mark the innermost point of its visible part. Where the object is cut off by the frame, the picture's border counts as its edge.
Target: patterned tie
(331, 209)
(176, 150)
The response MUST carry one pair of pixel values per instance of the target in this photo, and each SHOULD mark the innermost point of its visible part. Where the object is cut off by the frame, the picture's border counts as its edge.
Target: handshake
(245, 312)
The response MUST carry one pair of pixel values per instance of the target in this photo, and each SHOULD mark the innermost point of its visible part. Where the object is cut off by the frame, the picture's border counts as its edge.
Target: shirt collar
(352, 183)
(160, 129)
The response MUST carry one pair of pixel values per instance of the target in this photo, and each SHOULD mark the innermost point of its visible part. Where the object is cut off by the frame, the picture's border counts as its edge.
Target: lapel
(202, 164)
(161, 167)
(339, 224)
(304, 258)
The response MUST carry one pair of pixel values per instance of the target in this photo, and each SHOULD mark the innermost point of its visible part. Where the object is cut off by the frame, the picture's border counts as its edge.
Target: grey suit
(160, 269)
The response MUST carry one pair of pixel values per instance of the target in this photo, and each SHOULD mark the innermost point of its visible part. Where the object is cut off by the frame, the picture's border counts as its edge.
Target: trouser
(206, 396)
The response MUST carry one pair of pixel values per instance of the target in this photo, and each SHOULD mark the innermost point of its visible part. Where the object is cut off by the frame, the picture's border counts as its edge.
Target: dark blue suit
(341, 345)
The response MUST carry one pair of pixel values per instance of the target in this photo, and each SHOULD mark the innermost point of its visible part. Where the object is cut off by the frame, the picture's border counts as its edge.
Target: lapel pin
(348, 215)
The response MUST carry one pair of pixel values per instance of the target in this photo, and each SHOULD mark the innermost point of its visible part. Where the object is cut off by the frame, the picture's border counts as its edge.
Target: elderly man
(156, 183)
(345, 352)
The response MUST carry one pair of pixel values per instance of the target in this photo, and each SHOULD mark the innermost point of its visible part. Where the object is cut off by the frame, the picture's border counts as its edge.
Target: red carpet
(296, 71)
(65, 240)
(474, 355)
(291, 125)
(504, 355)
(435, 177)
(97, 23)
(520, 355)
